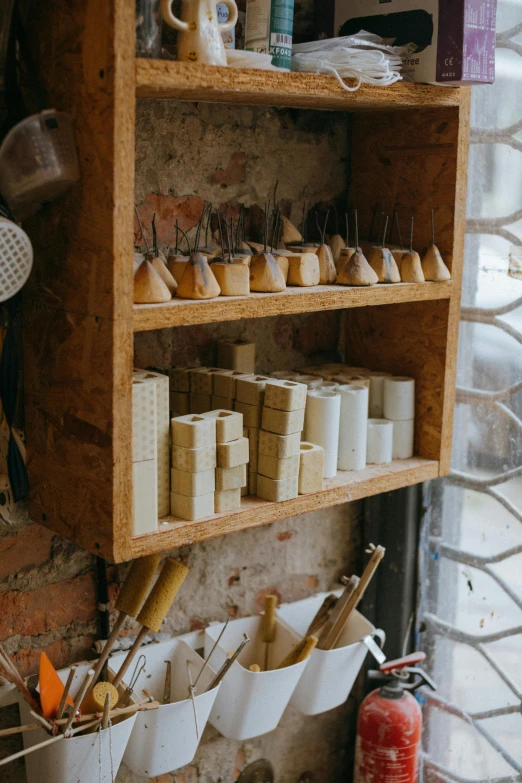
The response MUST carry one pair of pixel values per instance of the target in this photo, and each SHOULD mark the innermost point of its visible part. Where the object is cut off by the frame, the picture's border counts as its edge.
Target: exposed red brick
(234, 171)
(187, 775)
(239, 763)
(232, 611)
(61, 653)
(284, 536)
(28, 548)
(48, 607)
(197, 624)
(187, 209)
(234, 577)
(260, 597)
(167, 778)
(312, 582)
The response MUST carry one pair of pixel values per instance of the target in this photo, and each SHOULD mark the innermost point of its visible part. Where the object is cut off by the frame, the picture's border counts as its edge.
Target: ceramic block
(282, 422)
(192, 508)
(376, 401)
(252, 483)
(233, 279)
(284, 375)
(194, 460)
(229, 499)
(192, 484)
(280, 446)
(145, 493)
(251, 414)
(199, 403)
(285, 395)
(231, 478)
(238, 355)
(229, 424)
(251, 390)
(403, 433)
(179, 379)
(379, 448)
(276, 468)
(179, 403)
(252, 433)
(311, 468)
(144, 435)
(221, 403)
(201, 380)
(161, 383)
(303, 270)
(399, 398)
(231, 454)
(193, 431)
(276, 491)
(225, 382)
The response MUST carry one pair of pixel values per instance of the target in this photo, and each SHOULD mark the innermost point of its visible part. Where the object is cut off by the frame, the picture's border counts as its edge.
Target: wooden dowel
(66, 690)
(330, 632)
(43, 723)
(168, 683)
(299, 652)
(87, 680)
(117, 712)
(19, 729)
(14, 676)
(118, 625)
(106, 710)
(268, 625)
(322, 614)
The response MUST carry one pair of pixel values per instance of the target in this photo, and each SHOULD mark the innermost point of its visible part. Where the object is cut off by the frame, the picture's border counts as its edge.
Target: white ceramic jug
(199, 39)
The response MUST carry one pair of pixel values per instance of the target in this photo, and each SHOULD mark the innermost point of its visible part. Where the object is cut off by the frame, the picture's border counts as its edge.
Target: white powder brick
(276, 468)
(145, 497)
(192, 484)
(231, 454)
(277, 491)
(285, 395)
(201, 380)
(144, 432)
(192, 508)
(237, 355)
(311, 468)
(193, 431)
(194, 460)
(161, 383)
(229, 424)
(251, 390)
(225, 382)
(231, 478)
(228, 500)
(283, 422)
(281, 446)
(251, 414)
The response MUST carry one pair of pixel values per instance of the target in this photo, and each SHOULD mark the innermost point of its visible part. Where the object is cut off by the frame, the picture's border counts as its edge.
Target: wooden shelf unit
(79, 317)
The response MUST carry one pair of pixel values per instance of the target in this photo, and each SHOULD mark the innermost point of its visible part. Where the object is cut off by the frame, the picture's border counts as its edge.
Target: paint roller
(155, 608)
(130, 600)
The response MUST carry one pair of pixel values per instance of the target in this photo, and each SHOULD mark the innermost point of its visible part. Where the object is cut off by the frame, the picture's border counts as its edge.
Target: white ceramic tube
(309, 380)
(376, 401)
(379, 449)
(323, 409)
(399, 398)
(403, 439)
(353, 427)
(284, 375)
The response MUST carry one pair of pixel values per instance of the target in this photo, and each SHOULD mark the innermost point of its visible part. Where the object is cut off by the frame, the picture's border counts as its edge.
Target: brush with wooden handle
(130, 600)
(155, 608)
(300, 652)
(268, 625)
(322, 615)
(13, 675)
(352, 595)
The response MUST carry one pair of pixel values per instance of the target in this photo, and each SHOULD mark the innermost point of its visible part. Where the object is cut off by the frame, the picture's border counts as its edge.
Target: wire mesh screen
(471, 557)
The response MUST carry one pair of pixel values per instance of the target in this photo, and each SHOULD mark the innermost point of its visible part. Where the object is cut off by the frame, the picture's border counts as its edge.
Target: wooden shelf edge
(293, 300)
(344, 488)
(193, 82)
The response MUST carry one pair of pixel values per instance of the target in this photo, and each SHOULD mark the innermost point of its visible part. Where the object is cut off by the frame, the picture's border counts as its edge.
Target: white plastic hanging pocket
(363, 57)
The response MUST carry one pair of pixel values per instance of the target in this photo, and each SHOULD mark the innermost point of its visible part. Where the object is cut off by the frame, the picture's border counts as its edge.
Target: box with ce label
(454, 39)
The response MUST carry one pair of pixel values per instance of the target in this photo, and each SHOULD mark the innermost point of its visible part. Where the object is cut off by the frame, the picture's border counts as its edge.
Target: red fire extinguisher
(390, 724)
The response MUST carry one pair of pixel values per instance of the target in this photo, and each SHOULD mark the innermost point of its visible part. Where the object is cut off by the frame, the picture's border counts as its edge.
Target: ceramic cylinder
(399, 398)
(353, 427)
(326, 385)
(323, 409)
(309, 380)
(379, 450)
(403, 439)
(376, 399)
(284, 375)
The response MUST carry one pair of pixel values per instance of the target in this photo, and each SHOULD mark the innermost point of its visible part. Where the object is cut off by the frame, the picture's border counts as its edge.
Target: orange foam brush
(51, 688)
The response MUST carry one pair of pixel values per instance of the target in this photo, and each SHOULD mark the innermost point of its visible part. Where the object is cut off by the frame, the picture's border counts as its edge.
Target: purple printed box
(455, 39)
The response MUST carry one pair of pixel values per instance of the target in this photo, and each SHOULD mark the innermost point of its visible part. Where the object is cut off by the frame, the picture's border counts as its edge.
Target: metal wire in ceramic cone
(433, 267)
(357, 271)
(383, 264)
(149, 288)
(344, 256)
(198, 281)
(411, 268)
(164, 273)
(336, 244)
(398, 253)
(289, 232)
(327, 271)
(233, 278)
(265, 274)
(244, 248)
(242, 259)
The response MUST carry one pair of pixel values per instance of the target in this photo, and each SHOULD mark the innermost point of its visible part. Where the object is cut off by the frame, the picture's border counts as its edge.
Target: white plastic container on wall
(330, 674)
(252, 703)
(165, 739)
(77, 758)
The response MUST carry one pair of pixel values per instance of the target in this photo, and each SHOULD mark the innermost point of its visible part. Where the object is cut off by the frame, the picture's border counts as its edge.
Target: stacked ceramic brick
(250, 393)
(279, 445)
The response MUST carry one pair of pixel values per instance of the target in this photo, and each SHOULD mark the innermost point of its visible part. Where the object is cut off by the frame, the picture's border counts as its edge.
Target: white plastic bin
(330, 674)
(252, 703)
(76, 758)
(165, 739)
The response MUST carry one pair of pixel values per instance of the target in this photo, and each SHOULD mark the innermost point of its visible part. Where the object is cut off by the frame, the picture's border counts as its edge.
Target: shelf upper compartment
(185, 312)
(345, 487)
(192, 82)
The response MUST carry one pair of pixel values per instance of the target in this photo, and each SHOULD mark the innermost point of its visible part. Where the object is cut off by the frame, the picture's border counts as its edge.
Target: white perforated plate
(16, 258)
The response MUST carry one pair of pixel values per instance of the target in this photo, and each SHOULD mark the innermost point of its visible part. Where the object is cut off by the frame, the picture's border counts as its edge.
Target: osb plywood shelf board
(345, 487)
(182, 312)
(192, 82)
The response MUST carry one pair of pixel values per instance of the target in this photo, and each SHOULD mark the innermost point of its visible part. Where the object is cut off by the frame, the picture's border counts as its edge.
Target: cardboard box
(455, 38)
